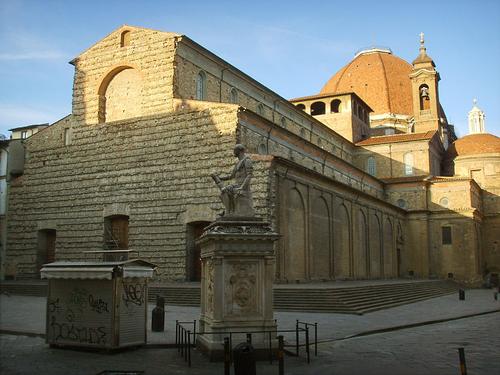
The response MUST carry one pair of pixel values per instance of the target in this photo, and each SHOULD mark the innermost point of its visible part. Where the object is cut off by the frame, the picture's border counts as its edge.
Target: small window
(371, 166)
(408, 162)
(317, 108)
(24, 134)
(444, 202)
(335, 106)
(233, 96)
(125, 38)
(200, 86)
(67, 136)
(302, 107)
(262, 149)
(446, 235)
(283, 122)
(401, 203)
(260, 109)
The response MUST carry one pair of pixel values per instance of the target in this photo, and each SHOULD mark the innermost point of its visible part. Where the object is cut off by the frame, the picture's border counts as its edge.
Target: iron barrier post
(270, 349)
(315, 339)
(194, 331)
(249, 338)
(181, 339)
(177, 334)
(297, 338)
(227, 356)
(307, 344)
(463, 367)
(185, 346)
(281, 364)
(189, 347)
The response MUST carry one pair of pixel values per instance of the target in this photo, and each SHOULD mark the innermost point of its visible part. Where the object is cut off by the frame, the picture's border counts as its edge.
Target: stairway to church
(359, 299)
(356, 298)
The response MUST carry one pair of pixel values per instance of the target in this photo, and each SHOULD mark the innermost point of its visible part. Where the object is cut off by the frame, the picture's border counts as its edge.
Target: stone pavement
(424, 349)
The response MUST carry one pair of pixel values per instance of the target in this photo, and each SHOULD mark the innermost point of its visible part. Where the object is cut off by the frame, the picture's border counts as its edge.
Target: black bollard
(461, 294)
(461, 356)
(158, 315)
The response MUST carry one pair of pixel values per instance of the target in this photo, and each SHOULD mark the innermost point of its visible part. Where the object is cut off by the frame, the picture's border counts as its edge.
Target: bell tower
(476, 119)
(424, 82)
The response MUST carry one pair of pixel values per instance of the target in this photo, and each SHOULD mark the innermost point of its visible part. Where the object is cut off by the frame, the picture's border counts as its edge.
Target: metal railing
(185, 339)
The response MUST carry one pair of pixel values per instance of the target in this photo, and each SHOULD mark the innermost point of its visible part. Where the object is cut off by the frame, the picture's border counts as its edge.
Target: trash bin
(100, 305)
(244, 359)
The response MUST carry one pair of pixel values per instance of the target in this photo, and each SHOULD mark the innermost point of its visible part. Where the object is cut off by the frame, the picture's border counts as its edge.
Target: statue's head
(239, 149)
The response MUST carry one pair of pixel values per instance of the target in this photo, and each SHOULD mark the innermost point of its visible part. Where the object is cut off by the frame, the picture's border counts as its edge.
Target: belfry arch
(120, 94)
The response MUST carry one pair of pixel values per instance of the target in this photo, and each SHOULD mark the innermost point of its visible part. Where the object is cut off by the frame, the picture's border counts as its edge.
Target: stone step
(350, 300)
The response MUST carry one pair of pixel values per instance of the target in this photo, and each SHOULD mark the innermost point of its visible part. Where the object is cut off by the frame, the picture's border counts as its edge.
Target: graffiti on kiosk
(54, 305)
(79, 299)
(97, 304)
(77, 333)
(133, 293)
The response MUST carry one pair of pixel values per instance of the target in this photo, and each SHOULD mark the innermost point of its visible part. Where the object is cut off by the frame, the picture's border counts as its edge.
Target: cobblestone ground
(429, 350)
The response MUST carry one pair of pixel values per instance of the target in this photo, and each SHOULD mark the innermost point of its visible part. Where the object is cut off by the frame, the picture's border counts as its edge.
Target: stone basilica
(364, 180)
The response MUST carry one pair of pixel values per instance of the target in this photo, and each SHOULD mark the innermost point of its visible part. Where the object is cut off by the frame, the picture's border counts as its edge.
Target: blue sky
(293, 47)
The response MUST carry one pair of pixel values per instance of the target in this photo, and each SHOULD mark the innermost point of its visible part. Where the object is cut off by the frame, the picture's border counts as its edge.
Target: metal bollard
(249, 338)
(227, 356)
(281, 361)
(158, 315)
(297, 338)
(461, 294)
(307, 345)
(495, 296)
(461, 356)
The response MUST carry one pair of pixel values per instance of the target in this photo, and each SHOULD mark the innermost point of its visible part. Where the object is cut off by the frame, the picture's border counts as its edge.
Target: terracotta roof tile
(396, 138)
(380, 79)
(474, 144)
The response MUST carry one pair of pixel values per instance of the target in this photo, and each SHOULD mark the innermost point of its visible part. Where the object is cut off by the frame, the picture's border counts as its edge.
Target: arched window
(260, 109)
(201, 80)
(423, 92)
(408, 161)
(302, 107)
(233, 96)
(317, 108)
(125, 38)
(262, 149)
(283, 122)
(371, 166)
(335, 106)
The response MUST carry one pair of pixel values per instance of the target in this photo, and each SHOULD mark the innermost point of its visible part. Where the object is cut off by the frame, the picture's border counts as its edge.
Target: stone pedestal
(237, 283)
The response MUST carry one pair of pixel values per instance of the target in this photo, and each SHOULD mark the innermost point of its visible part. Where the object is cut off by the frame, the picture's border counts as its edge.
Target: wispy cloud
(21, 45)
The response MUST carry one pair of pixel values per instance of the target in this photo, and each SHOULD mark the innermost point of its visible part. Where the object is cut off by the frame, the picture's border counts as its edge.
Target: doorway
(46, 247)
(193, 254)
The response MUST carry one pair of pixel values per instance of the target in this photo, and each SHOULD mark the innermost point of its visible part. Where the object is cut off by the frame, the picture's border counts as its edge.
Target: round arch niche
(120, 95)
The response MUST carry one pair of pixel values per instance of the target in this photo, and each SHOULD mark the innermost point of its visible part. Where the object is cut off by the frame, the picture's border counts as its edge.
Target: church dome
(474, 144)
(379, 78)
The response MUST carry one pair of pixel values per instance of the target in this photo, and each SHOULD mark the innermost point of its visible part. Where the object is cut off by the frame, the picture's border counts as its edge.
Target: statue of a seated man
(237, 197)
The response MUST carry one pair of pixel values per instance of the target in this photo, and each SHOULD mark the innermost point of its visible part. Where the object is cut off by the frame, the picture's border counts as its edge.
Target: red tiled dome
(474, 144)
(379, 78)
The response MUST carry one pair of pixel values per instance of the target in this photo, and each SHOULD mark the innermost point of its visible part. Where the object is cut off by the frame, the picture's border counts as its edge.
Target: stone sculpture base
(237, 284)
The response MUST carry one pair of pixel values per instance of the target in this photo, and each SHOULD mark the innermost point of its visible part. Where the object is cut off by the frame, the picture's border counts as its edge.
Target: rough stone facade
(154, 114)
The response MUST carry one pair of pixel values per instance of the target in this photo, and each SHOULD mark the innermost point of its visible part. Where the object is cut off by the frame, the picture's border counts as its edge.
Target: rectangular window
(24, 134)
(67, 136)
(446, 235)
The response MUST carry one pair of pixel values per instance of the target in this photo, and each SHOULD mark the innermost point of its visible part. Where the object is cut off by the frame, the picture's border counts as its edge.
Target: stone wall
(154, 169)
(150, 54)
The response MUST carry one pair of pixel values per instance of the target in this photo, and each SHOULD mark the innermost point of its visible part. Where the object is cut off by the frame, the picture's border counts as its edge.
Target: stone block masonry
(152, 169)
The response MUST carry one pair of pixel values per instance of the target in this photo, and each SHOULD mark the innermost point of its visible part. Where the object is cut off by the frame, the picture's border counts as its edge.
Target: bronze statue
(237, 197)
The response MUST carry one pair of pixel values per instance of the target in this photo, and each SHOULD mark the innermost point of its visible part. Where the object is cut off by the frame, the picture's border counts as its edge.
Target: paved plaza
(420, 338)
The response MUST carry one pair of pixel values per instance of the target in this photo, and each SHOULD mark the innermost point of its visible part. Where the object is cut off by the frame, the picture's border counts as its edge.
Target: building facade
(355, 183)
